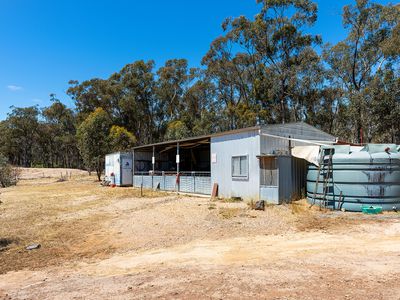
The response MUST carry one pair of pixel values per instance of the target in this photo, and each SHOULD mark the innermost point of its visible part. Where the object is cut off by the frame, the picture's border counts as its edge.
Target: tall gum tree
(259, 63)
(371, 43)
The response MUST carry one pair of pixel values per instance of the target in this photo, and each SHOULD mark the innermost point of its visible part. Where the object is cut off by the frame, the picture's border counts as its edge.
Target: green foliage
(57, 136)
(260, 70)
(383, 96)
(21, 134)
(121, 139)
(357, 60)
(31, 136)
(271, 78)
(177, 130)
(128, 97)
(92, 138)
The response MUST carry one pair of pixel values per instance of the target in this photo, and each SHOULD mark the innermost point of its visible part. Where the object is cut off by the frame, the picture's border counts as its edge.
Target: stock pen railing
(187, 182)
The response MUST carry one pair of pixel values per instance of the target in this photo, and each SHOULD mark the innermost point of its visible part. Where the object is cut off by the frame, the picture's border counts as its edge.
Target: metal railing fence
(186, 182)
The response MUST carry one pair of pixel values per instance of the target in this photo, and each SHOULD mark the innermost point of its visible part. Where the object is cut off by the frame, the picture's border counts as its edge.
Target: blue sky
(44, 44)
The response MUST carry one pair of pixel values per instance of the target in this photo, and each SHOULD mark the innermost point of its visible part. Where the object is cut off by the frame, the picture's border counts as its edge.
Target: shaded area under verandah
(182, 166)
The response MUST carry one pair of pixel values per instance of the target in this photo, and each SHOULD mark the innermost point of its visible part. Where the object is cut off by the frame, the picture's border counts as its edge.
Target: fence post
(153, 162)
(194, 181)
(178, 160)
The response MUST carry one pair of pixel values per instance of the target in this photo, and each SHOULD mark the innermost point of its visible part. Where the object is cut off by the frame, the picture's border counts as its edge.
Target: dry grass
(35, 173)
(231, 200)
(228, 212)
(52, 213)
(170, 246)
(212, 206)
(80, 220)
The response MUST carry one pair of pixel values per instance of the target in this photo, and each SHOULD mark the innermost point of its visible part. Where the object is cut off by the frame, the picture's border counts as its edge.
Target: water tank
(369, 176)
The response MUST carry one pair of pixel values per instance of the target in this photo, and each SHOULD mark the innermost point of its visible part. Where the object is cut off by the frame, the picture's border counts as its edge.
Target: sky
(46, 43)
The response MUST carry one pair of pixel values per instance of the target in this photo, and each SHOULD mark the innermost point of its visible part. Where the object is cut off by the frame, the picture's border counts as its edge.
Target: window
(240, 167)
(268, 171)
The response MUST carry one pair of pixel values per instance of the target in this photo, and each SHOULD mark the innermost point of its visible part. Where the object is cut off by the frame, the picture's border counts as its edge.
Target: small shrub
(8, 174)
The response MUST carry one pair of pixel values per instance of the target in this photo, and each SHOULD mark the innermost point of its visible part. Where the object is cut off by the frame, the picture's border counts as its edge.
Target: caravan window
(240, 166)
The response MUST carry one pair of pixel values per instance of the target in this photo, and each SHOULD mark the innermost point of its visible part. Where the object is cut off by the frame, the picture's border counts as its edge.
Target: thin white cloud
(14, 88)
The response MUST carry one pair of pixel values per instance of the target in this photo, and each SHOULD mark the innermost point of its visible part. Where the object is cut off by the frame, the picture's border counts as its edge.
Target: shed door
(268, 171)
(269, 179)
(126, 171)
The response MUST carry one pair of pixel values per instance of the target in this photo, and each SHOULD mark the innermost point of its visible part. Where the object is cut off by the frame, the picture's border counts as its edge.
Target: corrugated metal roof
(198, 138)
(311, 133)
(300, 129)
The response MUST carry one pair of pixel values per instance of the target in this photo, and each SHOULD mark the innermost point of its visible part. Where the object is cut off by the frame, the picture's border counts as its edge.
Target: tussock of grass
(228, 212)
(251, 204)
(232, 200)
(300, 207)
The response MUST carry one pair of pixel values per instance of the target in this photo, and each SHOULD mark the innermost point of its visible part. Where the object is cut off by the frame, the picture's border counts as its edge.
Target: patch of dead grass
(59, 242)
(80, 220)
(230, 212)
(36, 211)
(231, 200)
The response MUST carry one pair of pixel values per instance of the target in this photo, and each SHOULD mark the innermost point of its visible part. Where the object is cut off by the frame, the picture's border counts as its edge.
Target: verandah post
(153, 162)
(177, 166)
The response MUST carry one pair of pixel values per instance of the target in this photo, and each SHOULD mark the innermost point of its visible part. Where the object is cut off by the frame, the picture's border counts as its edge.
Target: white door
(126, 168)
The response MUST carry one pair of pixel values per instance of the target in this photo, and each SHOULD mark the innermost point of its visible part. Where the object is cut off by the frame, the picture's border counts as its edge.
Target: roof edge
(229, 132)
(222, 133)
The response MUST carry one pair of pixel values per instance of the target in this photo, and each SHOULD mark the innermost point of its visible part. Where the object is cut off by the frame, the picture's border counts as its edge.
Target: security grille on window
(240, 168)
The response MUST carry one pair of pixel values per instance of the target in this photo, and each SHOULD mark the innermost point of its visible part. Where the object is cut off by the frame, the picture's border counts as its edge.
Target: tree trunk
(98, 172)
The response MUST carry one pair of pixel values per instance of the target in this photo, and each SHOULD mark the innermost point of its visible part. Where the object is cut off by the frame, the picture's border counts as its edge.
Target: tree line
(262, 70)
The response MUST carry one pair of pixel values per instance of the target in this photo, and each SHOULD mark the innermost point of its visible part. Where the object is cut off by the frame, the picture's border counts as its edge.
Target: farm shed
(250, 163)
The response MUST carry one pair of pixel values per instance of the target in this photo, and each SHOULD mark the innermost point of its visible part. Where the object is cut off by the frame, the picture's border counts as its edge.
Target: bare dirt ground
(110, 243)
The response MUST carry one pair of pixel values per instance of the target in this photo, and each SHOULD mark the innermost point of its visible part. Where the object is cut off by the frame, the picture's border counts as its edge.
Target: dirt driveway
(104, 243)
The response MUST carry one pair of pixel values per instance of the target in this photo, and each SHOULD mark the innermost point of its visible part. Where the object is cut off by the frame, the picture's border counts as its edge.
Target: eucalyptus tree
(173, 79)
(138, 105)
(22, 124)
(258, 64)
(229, 72)
(372, 42)
(5, 139)
(383, 96)
(120, 139)
(201, 112)
(127, 97)
(59, 126)
(89, 95)
(93, 144)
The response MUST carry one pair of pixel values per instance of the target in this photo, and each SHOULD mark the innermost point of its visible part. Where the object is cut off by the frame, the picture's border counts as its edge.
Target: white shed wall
(223, 148)
(112, 166)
